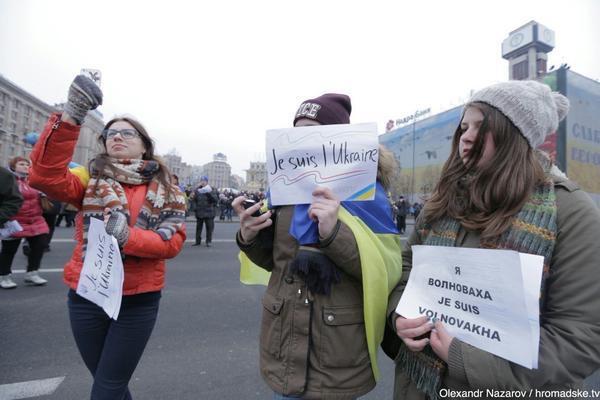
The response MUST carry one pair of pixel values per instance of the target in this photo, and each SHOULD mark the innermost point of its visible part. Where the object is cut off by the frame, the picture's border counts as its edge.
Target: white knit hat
(530, 105)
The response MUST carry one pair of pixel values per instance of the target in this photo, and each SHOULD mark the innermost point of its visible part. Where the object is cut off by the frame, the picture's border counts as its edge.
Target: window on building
(3, 97)
(17, 104)
(12, 127)
(13, 115)
(2, 108)
(1, 122)
(11, 151)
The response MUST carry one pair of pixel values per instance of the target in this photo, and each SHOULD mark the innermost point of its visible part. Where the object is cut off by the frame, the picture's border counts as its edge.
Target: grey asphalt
(204, 346)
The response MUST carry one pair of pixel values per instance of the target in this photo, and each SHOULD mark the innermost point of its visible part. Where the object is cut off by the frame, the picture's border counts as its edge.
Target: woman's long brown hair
(485, 198)
(102, 161)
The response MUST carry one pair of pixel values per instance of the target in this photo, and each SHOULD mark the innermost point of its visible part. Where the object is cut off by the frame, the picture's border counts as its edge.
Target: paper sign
(101, 278)
(9, 229)
(532, 267)
(482, 296)
(94, 74)
(341, 157)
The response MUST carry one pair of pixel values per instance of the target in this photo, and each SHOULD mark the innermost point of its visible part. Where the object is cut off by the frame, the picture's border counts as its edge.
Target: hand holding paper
(411, 332)
(324, 210)
(440, 341)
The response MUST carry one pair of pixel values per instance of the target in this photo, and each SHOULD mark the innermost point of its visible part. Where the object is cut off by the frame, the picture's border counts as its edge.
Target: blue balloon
(31, 138)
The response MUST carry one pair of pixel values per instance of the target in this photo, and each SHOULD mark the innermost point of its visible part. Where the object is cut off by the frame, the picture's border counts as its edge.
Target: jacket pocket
(343, 338)
(270, 329)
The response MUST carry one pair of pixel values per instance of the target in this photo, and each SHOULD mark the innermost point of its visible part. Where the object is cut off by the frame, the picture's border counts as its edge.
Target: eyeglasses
(126, 134)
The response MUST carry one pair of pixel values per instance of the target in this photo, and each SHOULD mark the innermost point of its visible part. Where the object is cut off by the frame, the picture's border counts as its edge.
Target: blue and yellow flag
(380, 257)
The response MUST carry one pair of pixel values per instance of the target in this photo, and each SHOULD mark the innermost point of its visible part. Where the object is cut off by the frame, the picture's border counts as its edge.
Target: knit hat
(328, 109)
(531, 106)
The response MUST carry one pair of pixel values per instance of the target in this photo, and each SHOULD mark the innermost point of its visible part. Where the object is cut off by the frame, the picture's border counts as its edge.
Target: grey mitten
(118, 227)
(84, 95)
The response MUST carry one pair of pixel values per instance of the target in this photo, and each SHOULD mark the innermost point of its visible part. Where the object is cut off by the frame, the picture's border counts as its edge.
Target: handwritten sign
(341, 157)
(486, 298)
(94, 74)
(101, 278)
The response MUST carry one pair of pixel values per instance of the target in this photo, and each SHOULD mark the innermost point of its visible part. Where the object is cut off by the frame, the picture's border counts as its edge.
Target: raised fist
(84, 95)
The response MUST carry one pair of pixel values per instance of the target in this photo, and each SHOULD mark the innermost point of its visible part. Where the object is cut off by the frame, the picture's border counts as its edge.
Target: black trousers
(112, 349)
(34, 258)
(51, 221)
(210, 227)
(401, 223)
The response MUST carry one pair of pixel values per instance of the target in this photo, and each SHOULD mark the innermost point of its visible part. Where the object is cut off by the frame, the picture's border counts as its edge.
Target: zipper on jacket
(55, 126)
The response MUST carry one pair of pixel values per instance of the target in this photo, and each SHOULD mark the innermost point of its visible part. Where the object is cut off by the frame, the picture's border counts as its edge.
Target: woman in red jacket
(35, 230)
(130, 190)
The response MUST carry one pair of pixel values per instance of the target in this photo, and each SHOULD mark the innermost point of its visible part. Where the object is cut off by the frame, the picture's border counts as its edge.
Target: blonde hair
(386, 166)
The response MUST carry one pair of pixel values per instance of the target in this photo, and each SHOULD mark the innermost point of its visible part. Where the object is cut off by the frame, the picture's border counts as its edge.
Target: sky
(212, 76)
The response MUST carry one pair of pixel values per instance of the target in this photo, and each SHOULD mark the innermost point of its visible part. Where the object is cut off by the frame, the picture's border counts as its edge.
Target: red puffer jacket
(145, 250)
(30, 214)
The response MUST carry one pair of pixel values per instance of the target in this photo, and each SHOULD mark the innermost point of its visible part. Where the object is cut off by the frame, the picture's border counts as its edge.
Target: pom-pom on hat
(328, 109)
(531, 106)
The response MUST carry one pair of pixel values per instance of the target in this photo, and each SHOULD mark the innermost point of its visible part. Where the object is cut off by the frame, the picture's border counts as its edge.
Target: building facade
(218, 171)
(256, 177)
(422, 147)
(22, 113)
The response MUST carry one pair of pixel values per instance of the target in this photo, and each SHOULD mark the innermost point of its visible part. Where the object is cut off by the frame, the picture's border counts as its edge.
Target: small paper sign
(101, 278)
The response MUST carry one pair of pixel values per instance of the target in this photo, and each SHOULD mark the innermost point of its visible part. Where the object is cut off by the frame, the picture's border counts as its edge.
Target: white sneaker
(33, 277)
(6, 282)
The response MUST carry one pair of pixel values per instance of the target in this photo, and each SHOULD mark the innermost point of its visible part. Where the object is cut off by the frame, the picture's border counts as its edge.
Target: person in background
(401, 211)
(204, 201)
(10, 203)
(497, 191)
(130, 190)
(35, 230)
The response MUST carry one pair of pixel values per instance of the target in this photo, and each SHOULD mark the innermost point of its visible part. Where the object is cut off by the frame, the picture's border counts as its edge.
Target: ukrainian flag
(380, 257)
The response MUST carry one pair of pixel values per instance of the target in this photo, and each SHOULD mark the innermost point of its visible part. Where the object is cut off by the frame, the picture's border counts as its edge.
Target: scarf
(158, 213)
(533, 231)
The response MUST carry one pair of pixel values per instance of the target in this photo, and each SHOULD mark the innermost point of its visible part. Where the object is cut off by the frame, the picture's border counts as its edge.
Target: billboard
(432, 139)
(583, 133)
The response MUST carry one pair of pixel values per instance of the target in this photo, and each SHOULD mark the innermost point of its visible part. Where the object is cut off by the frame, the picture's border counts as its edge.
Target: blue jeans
(112, 349)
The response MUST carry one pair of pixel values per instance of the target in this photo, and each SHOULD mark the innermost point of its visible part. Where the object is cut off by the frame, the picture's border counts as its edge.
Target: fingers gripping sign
(440, 341)
(324, 210)
(411, 332)
(249, 225)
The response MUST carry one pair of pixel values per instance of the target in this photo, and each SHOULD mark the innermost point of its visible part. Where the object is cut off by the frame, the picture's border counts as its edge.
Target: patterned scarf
(158, 213)
(533, 231)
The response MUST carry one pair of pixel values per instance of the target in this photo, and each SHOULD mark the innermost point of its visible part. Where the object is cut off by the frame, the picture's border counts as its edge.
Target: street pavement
(204, 345)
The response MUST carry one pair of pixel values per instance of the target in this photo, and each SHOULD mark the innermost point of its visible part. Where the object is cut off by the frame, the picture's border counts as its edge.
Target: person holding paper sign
(498, 191)
(319, 338)
(10, 203)
(131, 187)
(35, 230)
